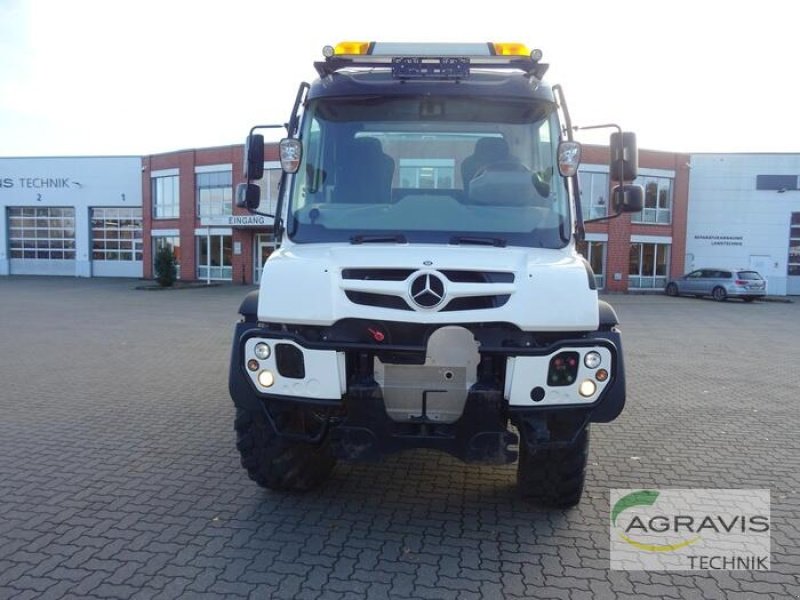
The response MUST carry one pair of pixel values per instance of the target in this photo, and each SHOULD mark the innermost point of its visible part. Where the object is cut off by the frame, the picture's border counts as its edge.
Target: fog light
(592, 360)
(266, 378)
(262, 351)
(601, 375)
(587, 388)
(252, 364)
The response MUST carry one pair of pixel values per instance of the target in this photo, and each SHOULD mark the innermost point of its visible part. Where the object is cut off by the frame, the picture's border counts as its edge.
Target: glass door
(263, 246)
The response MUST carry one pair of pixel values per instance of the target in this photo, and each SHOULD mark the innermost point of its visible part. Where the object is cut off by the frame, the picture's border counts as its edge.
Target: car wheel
(719, 294)
(672, 289)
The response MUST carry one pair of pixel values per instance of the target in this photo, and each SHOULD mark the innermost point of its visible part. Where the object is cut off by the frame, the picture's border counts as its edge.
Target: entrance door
(263, 246)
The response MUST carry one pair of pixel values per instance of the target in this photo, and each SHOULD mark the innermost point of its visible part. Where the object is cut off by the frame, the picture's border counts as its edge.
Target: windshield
(449, 170)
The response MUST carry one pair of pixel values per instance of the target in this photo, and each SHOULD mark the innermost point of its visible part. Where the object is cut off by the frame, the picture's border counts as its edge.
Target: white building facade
(73, 216)
(744, 212)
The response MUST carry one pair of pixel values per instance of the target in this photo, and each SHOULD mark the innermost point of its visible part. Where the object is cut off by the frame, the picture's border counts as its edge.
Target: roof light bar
(491, 55)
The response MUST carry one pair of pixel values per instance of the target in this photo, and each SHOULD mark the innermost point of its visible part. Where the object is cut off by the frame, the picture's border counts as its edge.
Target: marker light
(291, 150)
(586, 389)
(351, 48)
(510, 49)
(261, 351)
(592, 360)
(569, 158)
(252, 364)
(536, 55)
(601, 375)
(328, 51)
(266, 378)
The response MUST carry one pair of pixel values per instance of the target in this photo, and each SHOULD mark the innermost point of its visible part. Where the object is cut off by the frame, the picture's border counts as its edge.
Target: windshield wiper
(478, 240)
(378, 238)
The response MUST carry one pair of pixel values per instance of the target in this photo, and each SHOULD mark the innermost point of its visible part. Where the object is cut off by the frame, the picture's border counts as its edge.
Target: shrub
(165, 266)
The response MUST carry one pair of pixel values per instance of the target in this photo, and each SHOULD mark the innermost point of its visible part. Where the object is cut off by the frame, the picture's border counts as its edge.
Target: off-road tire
(719, 294)
(671, 290)
(554, 477)
(275, 462)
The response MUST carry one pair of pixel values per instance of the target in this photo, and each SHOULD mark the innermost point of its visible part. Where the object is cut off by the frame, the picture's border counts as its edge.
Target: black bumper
(364, 431)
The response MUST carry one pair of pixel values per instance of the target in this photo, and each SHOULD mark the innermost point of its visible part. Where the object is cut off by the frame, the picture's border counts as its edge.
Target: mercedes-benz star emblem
(427, 290)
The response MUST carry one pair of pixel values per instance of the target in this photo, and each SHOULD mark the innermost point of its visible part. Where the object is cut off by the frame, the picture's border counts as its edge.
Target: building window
(595, 253)
(166, 197)
(793, 264)
(594, 194)
(214, 194)
(270, 185)
(41, 233)
(214, 262)
(173, 242)
(657, 201)
(427, 173)
(116, 234)
(649, 265)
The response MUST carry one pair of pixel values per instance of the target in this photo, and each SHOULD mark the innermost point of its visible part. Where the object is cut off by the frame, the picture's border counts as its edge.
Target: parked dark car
(720, 284)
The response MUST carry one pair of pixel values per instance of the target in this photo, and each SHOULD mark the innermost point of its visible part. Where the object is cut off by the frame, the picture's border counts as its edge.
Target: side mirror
(628, 198)
(624, 159)
(254, 157)
(248, 195)
(569, 158)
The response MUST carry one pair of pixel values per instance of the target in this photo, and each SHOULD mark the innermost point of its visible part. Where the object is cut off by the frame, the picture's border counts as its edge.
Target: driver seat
(488, 150)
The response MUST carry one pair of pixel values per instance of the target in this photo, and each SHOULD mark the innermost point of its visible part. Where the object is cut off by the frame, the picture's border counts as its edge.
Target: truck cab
(427, 291)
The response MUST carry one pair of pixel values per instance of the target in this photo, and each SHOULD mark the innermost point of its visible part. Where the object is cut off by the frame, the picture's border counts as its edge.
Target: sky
(103, 77)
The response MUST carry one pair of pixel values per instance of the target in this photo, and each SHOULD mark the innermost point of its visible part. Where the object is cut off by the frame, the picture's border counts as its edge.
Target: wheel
(672, 289)
(554, 477)
(719, 294)
(275, 462)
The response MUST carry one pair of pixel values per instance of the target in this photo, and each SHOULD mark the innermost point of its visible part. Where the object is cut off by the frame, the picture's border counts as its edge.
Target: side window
(695, 275)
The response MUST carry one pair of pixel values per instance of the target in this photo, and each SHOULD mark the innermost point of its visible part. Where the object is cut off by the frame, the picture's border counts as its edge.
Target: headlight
(587, 388)
(592, 360)
(266, 378)
(262, 351)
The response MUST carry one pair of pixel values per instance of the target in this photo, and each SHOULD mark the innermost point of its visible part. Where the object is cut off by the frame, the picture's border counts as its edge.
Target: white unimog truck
(426, 291)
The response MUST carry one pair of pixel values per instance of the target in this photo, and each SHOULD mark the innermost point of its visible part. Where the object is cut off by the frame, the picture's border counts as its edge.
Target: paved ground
(119, 477)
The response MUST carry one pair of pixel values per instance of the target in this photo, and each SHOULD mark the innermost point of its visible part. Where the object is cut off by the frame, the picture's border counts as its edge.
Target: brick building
(187, 201)
(636, 252)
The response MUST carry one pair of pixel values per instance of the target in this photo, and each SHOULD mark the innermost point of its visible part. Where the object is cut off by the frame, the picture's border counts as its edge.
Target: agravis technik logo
(694, 529)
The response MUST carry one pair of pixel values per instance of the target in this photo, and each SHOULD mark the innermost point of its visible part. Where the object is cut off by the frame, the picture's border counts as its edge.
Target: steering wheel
(513, 166)
(502, 165)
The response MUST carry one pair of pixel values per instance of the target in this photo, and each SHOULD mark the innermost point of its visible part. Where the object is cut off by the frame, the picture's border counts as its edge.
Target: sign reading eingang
(690, 530)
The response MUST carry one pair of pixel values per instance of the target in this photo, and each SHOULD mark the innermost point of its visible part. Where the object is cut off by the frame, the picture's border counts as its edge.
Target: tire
(276, 463)
(672, 290)
(719, 294)
(554, 477)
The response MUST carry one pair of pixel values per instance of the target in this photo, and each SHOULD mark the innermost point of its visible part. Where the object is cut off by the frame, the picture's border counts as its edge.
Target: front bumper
(504, 390)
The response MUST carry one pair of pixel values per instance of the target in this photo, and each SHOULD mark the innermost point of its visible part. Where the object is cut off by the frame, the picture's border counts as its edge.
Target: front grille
(380, 300)
(377, 274)
(393, 298)
(460, 276)
(476, 303)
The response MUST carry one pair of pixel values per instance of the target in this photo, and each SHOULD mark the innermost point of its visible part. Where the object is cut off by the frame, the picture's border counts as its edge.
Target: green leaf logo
(638, 498)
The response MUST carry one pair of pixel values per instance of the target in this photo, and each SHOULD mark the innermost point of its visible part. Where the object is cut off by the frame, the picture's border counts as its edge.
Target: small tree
(165, 266)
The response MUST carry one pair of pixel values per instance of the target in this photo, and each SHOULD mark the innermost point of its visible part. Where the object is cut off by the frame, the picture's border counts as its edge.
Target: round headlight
(262, 351)
(592, 360)
(587, 388)
(266, 378)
